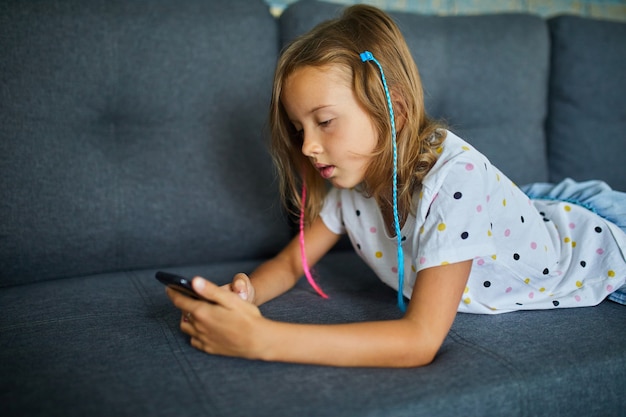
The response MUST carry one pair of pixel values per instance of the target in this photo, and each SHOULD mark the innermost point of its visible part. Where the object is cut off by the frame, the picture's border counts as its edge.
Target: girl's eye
(325, 123)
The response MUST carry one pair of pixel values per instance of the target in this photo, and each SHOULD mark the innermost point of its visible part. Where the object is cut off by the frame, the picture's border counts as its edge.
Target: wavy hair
(340, 42)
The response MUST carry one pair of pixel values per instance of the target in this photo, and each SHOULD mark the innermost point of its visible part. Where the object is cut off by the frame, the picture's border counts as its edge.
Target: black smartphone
(178, 283)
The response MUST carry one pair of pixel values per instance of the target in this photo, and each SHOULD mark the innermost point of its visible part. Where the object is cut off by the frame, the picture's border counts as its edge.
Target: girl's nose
(311, 146)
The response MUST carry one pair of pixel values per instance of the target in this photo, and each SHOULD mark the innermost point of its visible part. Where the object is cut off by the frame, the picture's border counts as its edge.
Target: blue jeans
(596, 196)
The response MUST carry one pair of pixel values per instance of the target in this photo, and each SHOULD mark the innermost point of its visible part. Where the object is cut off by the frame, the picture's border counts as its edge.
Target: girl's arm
(280, 274)
(236, 328)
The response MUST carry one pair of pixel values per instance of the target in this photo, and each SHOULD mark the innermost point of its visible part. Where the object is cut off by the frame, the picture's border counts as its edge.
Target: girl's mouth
(326, 171)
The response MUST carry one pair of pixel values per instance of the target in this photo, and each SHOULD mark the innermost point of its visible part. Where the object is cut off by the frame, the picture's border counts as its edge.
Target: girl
(416, 201)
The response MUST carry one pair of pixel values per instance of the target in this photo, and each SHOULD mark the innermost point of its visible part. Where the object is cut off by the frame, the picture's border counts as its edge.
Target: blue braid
(368, 56)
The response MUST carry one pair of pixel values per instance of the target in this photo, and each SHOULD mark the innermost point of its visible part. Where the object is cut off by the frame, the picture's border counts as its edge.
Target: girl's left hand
(223, 325)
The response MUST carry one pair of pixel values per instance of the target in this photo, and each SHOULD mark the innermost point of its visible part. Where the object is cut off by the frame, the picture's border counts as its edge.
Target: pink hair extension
(305, 264)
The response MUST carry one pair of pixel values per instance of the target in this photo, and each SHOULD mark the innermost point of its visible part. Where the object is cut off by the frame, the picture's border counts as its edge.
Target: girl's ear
(399, 109)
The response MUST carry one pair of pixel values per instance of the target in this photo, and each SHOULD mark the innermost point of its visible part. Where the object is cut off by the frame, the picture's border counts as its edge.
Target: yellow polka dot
(504, 202)
(493, 257)
(466, 290)
(542, 289)
(467, 300)
(439, 149)
(498, 177)
(465, 148)
(413, 268)
(611, 273)
(579, 284)
(379, 254)
(421, 194)
(445, 263)
(573, 244)
(488, 232)
(567, 208)
(566, 240)
(493, 309)
(527, 280)
(422, 230)
(441, 227)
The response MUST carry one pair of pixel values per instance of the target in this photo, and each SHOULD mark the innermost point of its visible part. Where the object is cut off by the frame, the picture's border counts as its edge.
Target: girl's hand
(226, 325)
(242, 286)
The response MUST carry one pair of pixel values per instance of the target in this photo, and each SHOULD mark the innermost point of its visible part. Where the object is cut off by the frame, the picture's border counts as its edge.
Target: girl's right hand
(242, 286)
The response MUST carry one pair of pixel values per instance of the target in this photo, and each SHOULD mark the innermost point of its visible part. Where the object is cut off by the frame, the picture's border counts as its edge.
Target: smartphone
(178, 283)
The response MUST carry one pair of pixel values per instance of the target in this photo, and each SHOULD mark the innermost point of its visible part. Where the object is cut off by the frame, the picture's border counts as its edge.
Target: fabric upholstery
(587, 112)
(134, 134)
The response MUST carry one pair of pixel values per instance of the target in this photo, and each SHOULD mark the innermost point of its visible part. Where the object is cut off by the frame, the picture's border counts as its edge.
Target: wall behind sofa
(604, 9)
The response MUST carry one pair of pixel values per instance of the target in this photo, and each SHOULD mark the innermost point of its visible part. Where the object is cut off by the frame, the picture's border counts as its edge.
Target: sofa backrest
(133, 135)
(486, 76)
(587, 123)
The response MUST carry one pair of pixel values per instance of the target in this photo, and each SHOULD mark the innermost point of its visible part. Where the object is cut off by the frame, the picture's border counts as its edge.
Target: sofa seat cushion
(110, 344)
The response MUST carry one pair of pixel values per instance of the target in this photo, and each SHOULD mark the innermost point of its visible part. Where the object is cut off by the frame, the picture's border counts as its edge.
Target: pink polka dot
(507, 232)
(481, 262)
(531, 295)
(339, 204)
(373, 229)
(572, 225)
(533, 245)
(394, 269)
(488, 198)
(609, 288)
(577, 298)
(469, 167)
(508, 290)
(479, 208)
(600, 251)
(422, 260)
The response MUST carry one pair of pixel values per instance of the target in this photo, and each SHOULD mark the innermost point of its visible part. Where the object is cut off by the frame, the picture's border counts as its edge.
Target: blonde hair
(340, 42)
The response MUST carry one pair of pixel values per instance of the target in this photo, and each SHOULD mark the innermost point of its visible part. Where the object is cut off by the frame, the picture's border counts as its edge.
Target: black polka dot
(487, 284)
(583, 264)
(598, 229)
(458, 195)
(522, 218)
(519, 304)
(403, 238)
(516, 256)
(358, 245)
(546, 271)
(542, 213)
(464, 235)
(546, 220)
(555, 303)
(358, 212)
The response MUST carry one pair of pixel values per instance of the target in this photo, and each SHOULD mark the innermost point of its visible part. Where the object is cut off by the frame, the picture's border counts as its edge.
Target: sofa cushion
(64, 357)
(587, 122)
(487, 76)
(133, 134)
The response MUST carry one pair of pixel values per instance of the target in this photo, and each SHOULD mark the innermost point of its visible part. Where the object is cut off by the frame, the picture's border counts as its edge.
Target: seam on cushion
(516, 375)
(176, 347)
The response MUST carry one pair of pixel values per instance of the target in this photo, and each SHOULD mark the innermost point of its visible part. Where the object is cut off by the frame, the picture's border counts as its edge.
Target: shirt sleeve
(331, 214)
(457, 226)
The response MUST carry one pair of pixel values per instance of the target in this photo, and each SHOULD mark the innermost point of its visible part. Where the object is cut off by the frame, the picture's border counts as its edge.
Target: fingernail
(198, 284)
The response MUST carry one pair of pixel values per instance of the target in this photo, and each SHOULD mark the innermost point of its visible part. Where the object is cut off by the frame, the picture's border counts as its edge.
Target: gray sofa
(133, 138)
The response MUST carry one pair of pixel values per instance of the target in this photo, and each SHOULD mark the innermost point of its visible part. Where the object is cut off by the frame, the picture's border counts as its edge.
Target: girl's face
(338, 136)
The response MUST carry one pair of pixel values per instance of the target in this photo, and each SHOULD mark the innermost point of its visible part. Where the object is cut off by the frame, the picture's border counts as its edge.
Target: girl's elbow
(418, 355)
